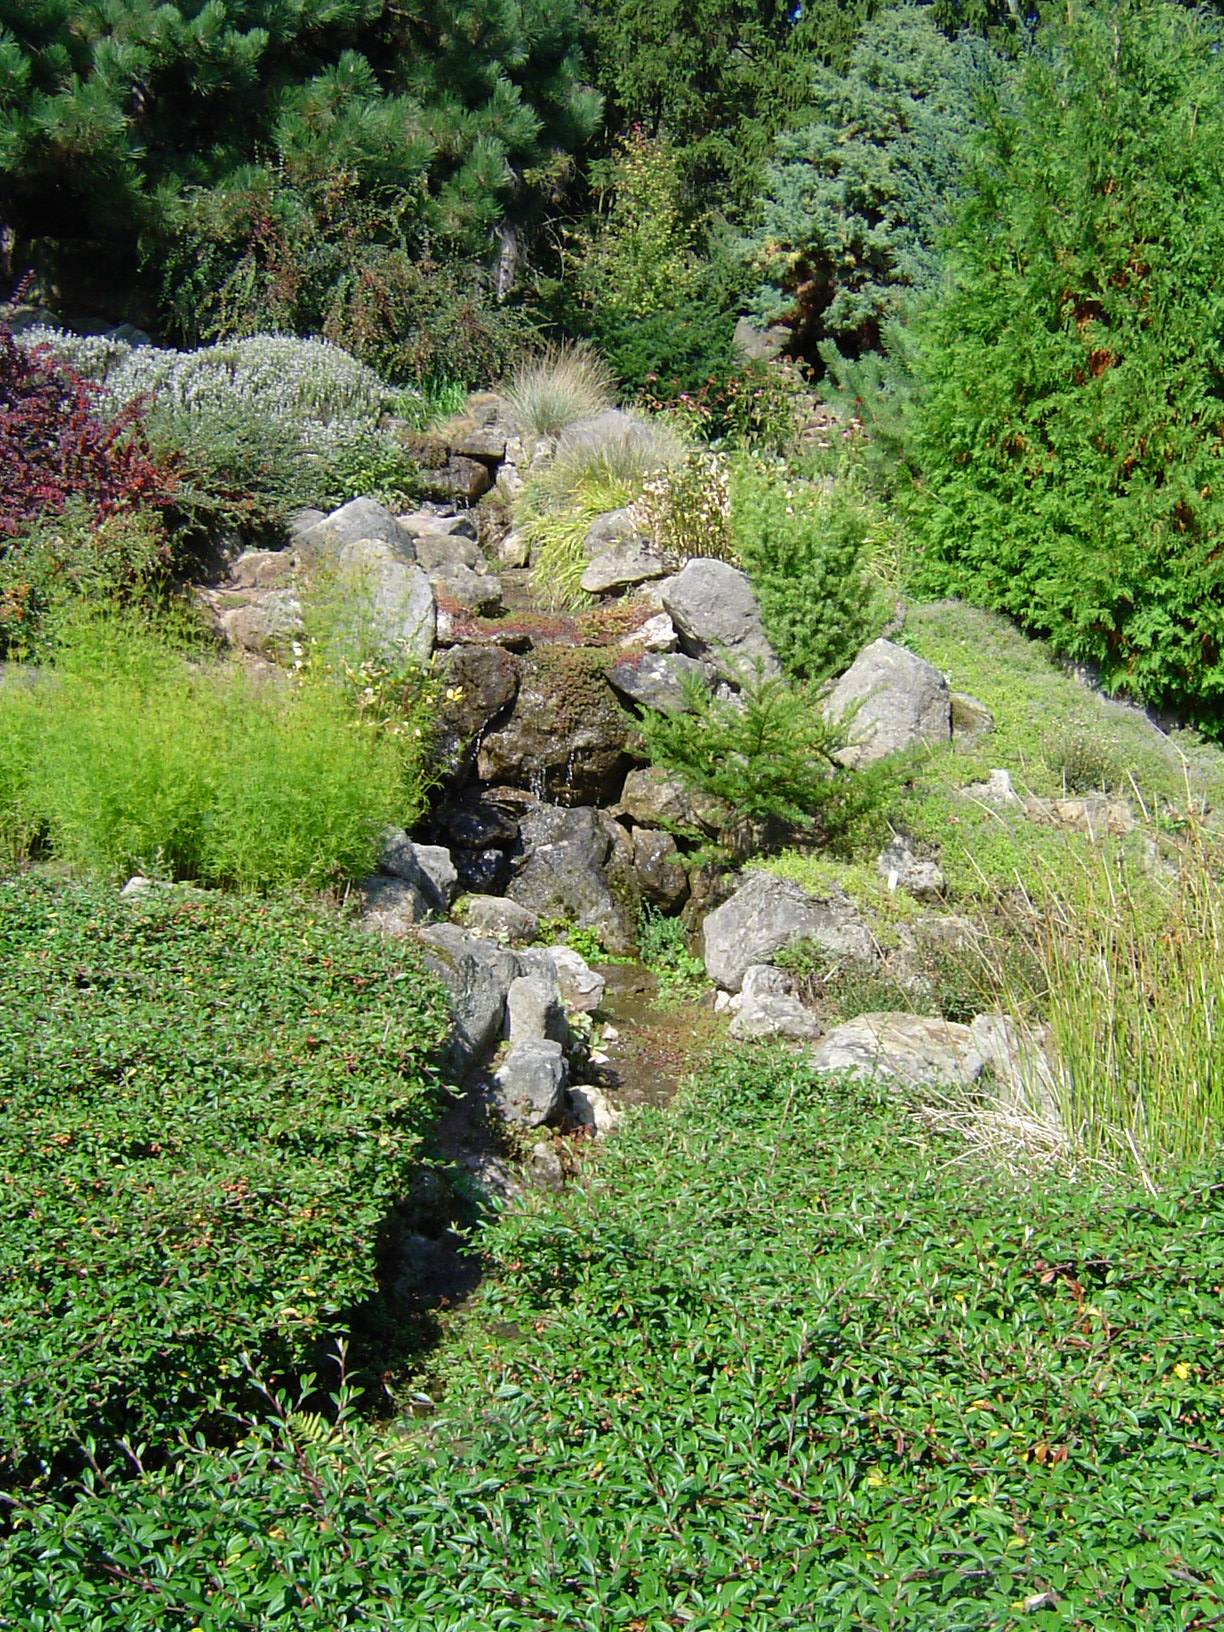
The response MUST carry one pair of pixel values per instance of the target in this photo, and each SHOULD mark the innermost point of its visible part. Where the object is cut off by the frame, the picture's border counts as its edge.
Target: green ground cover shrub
(663, 948)
(807, 551)
(1066, 438)
(209, 1107)
(782, 1361)
(130, 758)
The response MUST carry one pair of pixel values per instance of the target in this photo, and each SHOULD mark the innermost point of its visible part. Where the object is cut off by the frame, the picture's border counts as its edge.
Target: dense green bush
(807, 550)
(857, 195)
(209, 1108)
(785, 1361)
(636, 279)
(125, 757)
(64, 560)
(1067, 442)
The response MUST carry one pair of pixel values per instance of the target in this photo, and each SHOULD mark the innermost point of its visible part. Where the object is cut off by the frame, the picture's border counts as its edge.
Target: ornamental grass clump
(557, 386)
(1132, 990)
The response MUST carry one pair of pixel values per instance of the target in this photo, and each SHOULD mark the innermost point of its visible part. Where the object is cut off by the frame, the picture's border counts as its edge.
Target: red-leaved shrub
(56, 445)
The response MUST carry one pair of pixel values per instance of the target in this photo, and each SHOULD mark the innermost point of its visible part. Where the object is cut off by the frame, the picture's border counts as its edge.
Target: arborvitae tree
(450, 117)
(857, 194)
(1069, 437)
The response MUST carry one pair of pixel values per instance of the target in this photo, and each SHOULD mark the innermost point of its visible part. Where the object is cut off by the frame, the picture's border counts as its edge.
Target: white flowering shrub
(269, 374)
(686, 509)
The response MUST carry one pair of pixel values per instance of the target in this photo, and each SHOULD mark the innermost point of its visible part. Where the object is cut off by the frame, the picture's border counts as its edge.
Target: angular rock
(612, 529)
(996, 791)
(267, 623)
(529, 1086)
(436, 524)
(392, 906)
(661, 876)
(651, 798)
(657, 634)
(902, 702)
(358, 521)
(910, 1050)
(566, 737)
(483, 442)
(498, 918)
(592, 1108)
(514, 551)
(533, 1009)
(439, 552)
(477, 683)
(767, 1008)
(571, 867)
(657, 679)
(459, 588)
(477, 974)
(766, 914)
(621, 564)
(544, 1167)
(903, 869)
(582, 988)
(971, 720)
(1023, 1069)
(261, 569)
(398, 609)
(1096, 816)
(426, 866)
(717, 617)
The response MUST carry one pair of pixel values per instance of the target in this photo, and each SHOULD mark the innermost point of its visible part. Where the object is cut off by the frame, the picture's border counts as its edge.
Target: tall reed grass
(1132, 962)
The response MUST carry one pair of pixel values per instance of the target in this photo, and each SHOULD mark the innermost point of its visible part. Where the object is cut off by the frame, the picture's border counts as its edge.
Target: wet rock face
(566, 737)
(657, 679)
(477, 683)
(576, 864)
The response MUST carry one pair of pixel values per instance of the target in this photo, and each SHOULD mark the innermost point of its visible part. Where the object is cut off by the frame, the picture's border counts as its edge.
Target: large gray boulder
(717, 617)
(392, 905)
(264, 622)
(499, 919)
(573, 864)
(767, 914)
(657, 679)
(529, 1085)
(355, 522)
(533, 1009)
(477, 975)
(908, 1050)
(897, 700)
(661, 875)
(581, 987)
(461, 589)
(398, 616)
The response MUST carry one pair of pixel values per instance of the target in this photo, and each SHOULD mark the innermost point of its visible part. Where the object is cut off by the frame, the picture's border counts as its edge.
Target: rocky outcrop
(652, 798)
(767, 914)
(893, 700)
(717, 617)
(908, 1050)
